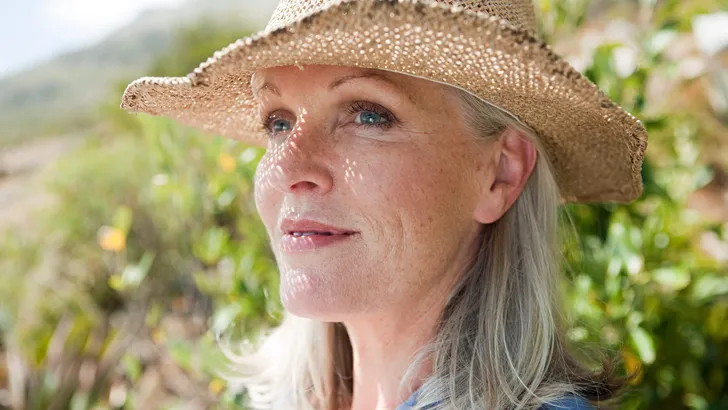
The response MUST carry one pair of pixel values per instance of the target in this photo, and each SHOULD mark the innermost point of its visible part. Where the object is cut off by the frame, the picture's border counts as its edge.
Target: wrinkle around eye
(370, 134)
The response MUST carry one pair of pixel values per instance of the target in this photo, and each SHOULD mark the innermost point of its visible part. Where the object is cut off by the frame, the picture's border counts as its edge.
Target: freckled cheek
(376, 180)
(399, 193)
(428, 197)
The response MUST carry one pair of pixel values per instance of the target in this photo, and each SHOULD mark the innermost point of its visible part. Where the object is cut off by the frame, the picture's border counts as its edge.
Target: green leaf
(643, 344)
(116, 283)
(122, 219)
(661, 40)
(212, 245)
(250, 154)
(226, 198)
(132, 367)
(80, 401)
(672, 278)
(225, 316)
(182, 353)
(709, 286)
(717, 319)
(133, 275)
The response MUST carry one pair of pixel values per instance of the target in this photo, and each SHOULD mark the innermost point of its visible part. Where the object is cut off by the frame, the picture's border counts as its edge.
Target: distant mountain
(66, 89)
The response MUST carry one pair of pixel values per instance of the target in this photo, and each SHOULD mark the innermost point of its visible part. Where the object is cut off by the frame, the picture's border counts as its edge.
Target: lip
(334, 235)
(307, 225)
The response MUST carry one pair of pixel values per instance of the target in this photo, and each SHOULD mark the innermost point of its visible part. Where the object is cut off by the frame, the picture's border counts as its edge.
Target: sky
(32, 31)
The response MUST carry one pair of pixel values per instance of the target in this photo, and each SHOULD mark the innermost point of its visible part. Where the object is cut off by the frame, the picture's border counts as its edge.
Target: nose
(299, 164)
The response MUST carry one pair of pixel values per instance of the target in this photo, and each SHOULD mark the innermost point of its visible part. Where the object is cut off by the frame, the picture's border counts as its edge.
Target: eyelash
(352, 109)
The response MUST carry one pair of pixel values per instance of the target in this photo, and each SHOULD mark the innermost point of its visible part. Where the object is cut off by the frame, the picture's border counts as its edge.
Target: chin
(321, 309)
(304, 296)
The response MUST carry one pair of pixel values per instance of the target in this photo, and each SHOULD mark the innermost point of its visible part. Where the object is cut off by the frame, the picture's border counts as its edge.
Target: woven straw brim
(595, 147)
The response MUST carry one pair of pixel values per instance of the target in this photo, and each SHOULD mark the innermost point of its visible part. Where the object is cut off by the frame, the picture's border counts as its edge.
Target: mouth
(307, 241)
(304, 235)
(309, 227)
(298, 234)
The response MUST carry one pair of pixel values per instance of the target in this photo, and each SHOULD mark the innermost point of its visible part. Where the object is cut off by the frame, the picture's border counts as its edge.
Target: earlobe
(489, 211)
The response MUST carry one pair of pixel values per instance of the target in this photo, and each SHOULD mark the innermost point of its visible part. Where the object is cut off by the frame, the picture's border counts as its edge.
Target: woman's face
(367, 189)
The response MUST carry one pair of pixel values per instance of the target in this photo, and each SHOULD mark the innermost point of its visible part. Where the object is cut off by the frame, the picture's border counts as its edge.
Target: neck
(384, 346)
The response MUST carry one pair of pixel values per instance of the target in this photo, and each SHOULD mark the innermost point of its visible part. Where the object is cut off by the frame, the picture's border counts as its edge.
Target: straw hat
(487, 47)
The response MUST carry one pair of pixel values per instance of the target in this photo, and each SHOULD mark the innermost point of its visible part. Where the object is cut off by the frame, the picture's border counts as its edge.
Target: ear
(511, 159)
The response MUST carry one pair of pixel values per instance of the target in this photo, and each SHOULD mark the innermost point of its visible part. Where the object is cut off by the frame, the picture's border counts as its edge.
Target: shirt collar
(409, 403)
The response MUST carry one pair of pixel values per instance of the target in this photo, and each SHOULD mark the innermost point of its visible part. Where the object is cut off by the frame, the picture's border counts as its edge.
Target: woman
(416, 157)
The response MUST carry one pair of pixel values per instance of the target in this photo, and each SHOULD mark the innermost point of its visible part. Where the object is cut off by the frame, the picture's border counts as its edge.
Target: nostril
(303, 185)
(302, 175)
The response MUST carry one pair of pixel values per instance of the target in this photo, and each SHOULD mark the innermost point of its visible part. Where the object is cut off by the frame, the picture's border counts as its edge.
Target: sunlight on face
(364, 188)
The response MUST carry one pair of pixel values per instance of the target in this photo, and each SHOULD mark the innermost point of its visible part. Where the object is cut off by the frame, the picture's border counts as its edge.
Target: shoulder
(571, 402)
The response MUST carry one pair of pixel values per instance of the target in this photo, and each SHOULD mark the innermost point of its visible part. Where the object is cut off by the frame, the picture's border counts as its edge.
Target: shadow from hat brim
(596, 149)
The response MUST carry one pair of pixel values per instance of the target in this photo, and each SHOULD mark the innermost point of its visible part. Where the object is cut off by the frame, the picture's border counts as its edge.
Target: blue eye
(365, 114)
(275, 124)
(369, 114)
(280, 125)
(369, 118)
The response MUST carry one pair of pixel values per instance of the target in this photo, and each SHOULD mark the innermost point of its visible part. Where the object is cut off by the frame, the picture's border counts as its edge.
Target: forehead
(278, 79)
(320, 72)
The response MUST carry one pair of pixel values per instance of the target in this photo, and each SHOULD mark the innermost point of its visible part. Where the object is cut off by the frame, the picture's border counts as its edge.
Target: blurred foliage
(154, 248)
(638, 281)
(153, 239)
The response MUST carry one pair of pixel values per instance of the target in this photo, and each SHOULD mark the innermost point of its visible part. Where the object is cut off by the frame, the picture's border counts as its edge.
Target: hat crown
(519, 13)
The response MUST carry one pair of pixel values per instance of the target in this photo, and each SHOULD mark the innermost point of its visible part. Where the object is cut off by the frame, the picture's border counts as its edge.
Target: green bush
(639, 281)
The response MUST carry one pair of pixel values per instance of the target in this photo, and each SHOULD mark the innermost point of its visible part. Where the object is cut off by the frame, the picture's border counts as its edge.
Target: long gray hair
(500, 344)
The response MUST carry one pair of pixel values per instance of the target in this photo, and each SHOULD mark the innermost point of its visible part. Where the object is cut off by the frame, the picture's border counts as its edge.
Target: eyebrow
(364, 74)
(374, 74)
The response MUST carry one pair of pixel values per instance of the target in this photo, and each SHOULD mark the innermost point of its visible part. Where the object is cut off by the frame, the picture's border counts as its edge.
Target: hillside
(62, 93)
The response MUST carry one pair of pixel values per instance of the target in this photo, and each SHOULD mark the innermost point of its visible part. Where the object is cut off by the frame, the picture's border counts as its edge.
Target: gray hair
(500, 344)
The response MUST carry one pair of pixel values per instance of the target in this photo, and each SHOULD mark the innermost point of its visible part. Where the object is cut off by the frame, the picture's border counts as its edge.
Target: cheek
(428, 203)
(412, 191)
(267, 199)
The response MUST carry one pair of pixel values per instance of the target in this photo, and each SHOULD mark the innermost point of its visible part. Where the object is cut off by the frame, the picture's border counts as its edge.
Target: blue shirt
(567, 403)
